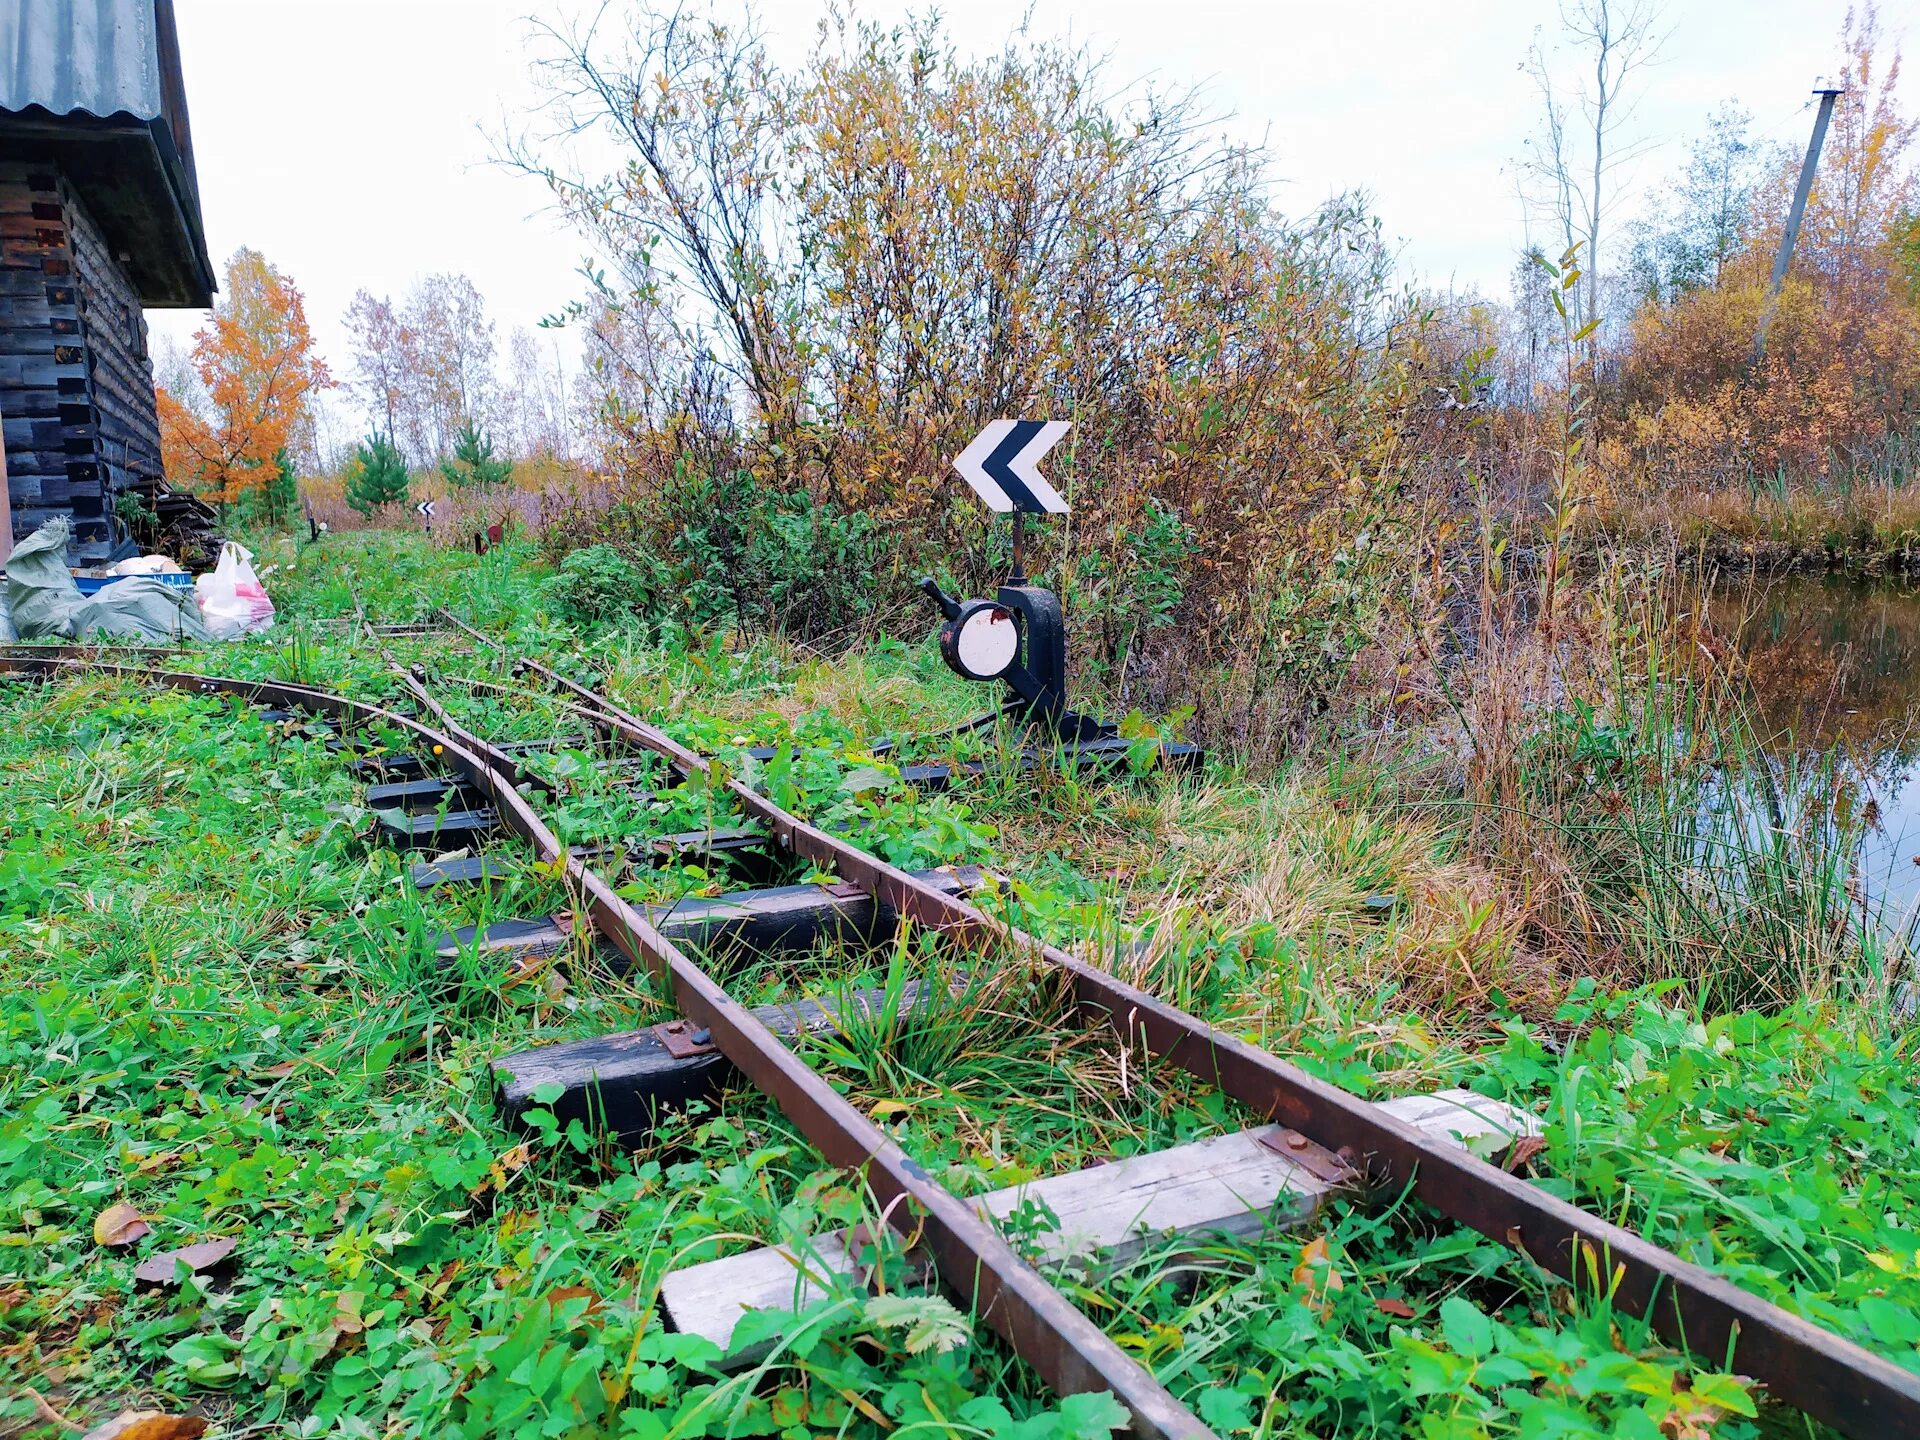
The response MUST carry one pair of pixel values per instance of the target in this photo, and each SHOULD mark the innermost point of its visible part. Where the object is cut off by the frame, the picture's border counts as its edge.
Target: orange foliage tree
(257, 359)
(1694, 409)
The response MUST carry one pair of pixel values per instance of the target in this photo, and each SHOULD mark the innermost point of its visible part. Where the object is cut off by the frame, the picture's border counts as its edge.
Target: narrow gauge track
(1829, 1378)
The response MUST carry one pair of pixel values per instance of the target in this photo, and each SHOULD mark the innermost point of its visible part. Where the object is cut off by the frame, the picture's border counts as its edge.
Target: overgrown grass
(1870, 525)
(229, 1015)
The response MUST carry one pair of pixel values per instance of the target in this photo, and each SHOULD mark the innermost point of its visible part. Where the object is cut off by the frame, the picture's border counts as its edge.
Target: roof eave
(131, 177)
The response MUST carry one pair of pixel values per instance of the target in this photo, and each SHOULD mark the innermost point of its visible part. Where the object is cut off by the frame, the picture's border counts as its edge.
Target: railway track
(1323, 1139)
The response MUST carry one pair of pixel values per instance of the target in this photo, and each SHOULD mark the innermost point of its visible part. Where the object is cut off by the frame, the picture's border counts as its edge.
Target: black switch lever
(949, 606)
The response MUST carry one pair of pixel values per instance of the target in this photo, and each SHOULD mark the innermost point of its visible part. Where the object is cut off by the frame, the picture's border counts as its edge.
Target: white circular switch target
(988, 642)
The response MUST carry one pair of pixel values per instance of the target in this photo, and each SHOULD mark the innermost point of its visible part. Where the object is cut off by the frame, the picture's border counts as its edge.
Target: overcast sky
(349, 141)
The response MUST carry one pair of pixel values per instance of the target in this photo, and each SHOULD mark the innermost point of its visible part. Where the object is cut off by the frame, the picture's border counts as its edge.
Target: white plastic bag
(232, 600)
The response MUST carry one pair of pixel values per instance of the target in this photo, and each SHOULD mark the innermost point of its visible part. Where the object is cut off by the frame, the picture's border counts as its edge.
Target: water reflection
(1835, 665)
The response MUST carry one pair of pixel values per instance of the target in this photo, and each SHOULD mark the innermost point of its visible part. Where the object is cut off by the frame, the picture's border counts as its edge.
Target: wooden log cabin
(99, 218)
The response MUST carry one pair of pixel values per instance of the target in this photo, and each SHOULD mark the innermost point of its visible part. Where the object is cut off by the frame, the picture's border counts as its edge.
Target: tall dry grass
(1643, 824)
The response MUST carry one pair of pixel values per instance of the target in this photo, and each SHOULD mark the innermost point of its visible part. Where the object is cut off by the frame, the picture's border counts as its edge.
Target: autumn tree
(257, 360)
(1704, 218)
(451, 351)
(425, 367)
(1865, 191)
(823, 280)
(535, 406)
(383, 359)
(1841, 369)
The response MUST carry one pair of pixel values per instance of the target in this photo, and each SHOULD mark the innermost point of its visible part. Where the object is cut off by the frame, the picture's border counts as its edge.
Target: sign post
(1002, 466)
(425, 507)
(1019, 637)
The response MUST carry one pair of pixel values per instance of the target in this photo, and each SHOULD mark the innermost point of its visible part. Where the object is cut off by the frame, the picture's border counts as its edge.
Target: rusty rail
(1826, 1376)
(1041, 1325)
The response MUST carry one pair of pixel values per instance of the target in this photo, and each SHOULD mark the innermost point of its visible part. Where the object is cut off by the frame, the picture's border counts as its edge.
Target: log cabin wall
(76, 386)
(119, 370)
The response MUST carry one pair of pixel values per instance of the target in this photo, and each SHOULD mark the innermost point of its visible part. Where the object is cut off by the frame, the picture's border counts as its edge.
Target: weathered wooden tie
(463, 870)
(436, 829)
(429, 793)
(744, 849)
(1092, 755)
(408, 766)
(782, 919)
(623, 1083)
(1244, 1184)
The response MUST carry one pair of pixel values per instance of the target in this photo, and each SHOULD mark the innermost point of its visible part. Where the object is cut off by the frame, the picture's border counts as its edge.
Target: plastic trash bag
(41, 595)
(140, 608)
(148, 565)
(46, 604)
(232, 600)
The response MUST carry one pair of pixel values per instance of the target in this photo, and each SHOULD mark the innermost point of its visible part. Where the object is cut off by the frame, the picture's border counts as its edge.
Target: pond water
(1835, 666)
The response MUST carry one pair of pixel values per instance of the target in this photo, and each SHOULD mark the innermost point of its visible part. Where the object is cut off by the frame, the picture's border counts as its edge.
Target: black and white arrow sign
(425, 507)
(1001, 464)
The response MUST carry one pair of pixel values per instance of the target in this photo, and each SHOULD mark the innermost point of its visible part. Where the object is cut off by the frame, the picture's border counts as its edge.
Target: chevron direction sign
(1001, 465)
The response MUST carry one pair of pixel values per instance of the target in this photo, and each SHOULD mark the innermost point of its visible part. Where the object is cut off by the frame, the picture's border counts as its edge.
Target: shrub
(875, 252)
(725, 548)
(600, 584)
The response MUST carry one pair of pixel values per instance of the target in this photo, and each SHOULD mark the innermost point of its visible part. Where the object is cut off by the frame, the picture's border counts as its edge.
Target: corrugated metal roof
(100, 56)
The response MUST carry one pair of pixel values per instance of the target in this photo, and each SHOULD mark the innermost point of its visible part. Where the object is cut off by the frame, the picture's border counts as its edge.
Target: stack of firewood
(184, 526)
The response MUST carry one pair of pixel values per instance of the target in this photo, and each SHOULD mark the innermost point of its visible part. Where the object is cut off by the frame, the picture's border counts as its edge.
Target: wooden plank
(6, 507)
(623, 1083)
(443, 830)
(1238, 1185)
(783, 918)
(463, 870)
(415, 796)
(397, 767)
(1095, 754)
(721, 842)
(742, 848)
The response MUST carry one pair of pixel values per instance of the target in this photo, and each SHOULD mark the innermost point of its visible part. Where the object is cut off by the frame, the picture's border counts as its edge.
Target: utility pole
(1799, 208)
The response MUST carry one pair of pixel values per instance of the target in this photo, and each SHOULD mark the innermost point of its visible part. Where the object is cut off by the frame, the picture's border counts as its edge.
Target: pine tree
(472, 461)
(377, 475)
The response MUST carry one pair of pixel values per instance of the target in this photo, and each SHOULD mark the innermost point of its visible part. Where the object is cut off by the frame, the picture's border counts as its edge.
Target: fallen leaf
(502, 1168)
(159, 1269)
(119, 1224)
(1523, 1150)
(438, 1290)
(346, 1312)
(149, 1425)
(43, 1410)
(561, 1293)
(1694, 1424)
(884, 1109)
(1399, 1309)
(1315, 1275)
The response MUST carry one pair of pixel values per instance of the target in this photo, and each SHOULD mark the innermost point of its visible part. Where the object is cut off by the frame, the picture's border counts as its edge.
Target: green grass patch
(226, 1013)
